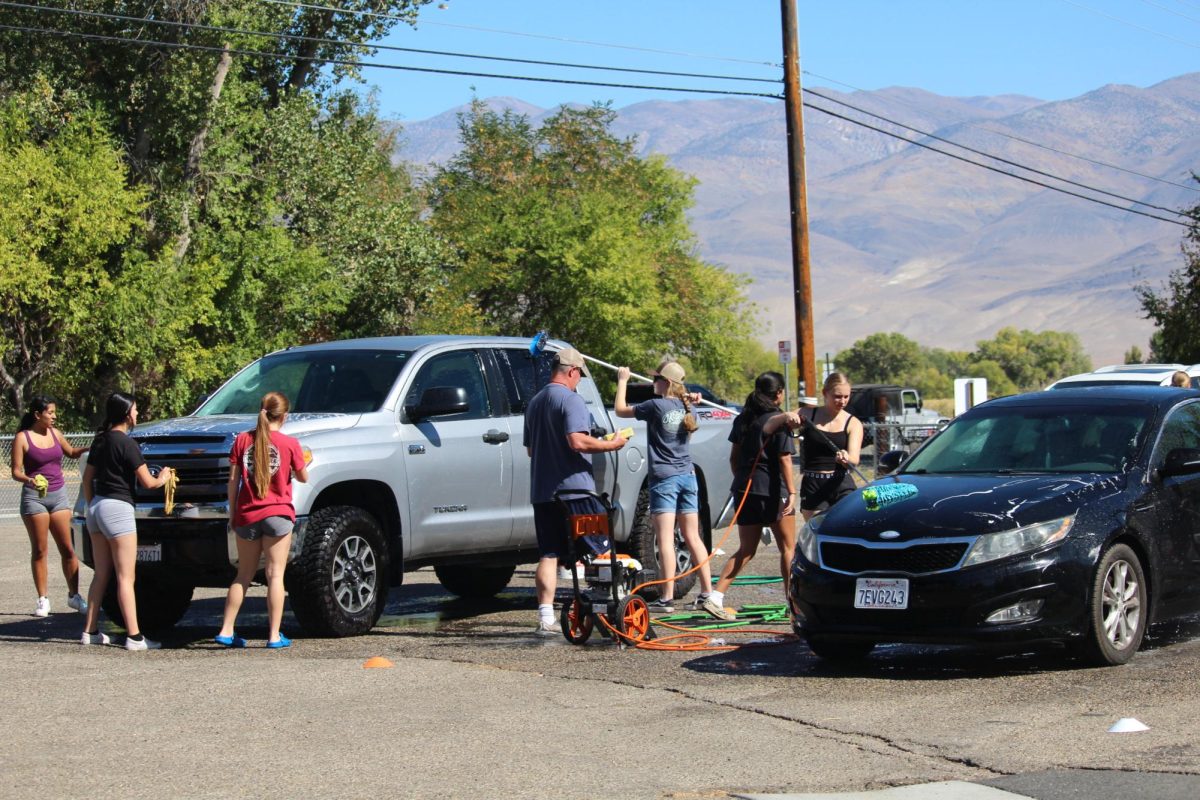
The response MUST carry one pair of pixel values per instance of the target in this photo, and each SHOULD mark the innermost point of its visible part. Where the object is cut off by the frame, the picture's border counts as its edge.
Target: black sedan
(1070, 516)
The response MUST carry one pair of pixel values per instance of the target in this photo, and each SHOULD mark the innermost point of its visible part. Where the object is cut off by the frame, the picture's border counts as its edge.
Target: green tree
(1134, 355)
(1033, 360)
(1175, 308)
(881, 358)
(564, 228)
(67, 209)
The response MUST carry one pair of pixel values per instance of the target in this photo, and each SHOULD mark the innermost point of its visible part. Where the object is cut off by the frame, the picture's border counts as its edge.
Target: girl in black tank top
(826, 474)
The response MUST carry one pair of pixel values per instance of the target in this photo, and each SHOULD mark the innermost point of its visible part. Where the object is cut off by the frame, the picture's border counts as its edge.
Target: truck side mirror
(439, 401)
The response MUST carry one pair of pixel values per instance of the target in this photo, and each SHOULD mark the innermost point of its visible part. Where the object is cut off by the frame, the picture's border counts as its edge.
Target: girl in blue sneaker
(263, 463)
(674, 494)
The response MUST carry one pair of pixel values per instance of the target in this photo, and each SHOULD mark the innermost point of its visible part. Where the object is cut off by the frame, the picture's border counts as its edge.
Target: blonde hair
(1181, 378)
(833, 380)
(274, 407)
(680, 392)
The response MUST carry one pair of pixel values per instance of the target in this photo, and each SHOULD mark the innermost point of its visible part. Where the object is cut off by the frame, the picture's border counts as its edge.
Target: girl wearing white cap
(674, 493)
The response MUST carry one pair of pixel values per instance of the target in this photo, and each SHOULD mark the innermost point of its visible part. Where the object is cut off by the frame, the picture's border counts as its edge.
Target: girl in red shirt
(262, 465)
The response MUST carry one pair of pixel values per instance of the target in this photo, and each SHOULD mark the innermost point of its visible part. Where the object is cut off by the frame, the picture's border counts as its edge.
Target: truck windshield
(314, 381)
(1054, 439)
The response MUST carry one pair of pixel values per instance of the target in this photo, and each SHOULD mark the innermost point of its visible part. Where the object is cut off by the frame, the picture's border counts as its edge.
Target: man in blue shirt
(558, 438)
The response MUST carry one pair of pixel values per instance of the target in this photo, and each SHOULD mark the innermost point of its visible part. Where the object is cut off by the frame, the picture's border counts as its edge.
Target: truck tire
(338, 583)
(643, 546)
(161, 602)
(474, 582)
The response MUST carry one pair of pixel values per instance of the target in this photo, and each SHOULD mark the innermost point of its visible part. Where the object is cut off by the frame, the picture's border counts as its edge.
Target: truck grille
(202, 464)
(917, 559)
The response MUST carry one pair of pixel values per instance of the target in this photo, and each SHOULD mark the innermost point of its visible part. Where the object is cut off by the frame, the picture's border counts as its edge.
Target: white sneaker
(77, 602)
(551, 628)
(100, 637)
(43, 607)
(145, 644)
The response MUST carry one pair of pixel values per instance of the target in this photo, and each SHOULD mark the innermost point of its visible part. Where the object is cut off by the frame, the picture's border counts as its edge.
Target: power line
(344, 43)
(1171, 11)
(1133, 25)
(563, 39)
(1015, 138)
(377, 65)
(1011, 163)
(990, 167)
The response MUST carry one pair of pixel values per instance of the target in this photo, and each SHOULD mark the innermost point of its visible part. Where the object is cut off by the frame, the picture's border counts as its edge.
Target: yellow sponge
(626, 433)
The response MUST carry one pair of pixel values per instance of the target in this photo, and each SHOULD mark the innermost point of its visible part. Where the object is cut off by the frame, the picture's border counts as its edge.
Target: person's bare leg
(664, 534)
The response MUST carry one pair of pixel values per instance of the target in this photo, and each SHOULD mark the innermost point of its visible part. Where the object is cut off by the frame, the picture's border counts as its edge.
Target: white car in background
(1129, 375)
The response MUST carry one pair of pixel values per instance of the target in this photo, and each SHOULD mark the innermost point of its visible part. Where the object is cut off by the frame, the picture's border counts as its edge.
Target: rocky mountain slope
(904, 239)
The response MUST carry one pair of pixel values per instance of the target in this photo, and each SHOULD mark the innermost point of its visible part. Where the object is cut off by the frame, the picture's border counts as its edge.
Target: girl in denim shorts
(37, 455)
(674, 494)
(262, 463)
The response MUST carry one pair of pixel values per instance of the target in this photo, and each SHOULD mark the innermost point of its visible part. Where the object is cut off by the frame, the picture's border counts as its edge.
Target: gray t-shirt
(554, 412)
(667, 439)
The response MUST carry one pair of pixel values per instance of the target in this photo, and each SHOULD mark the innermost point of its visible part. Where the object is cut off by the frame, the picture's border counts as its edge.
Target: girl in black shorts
(826, 470)
(761, 457)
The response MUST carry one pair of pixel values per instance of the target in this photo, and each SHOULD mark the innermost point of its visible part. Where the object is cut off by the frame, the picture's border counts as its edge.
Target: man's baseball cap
(569, 357)
(671, 371)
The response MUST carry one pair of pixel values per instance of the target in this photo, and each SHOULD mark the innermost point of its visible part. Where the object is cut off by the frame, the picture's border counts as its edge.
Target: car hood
(224, 424)
(966, 505)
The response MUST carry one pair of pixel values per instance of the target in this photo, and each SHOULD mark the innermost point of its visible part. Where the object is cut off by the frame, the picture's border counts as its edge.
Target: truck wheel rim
(1121, 604)
(354, 574)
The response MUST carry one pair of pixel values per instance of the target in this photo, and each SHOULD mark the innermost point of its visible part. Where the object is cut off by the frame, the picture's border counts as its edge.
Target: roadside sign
(785, 351)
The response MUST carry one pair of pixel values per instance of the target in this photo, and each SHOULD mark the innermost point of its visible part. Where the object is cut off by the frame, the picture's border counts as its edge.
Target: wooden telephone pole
(806, 354)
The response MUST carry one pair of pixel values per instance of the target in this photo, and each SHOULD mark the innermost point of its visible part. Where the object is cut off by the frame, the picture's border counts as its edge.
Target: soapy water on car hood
(297, 425)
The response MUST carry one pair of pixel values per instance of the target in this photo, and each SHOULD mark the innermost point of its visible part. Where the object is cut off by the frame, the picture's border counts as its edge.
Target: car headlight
(991, 546)
(806, 542)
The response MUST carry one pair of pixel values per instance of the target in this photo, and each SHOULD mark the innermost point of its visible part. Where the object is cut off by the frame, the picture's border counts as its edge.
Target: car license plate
(149, 552)
(881, 593)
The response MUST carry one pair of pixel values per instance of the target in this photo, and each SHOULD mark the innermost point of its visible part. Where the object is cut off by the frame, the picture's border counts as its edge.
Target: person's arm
(789, 418)
(854, 433)
(231, 489)
(735, 452)
(148, 481)
(582, 442)
(18, 461)
(789, 483)
(620, 407)
(299, 473)
(68, 450)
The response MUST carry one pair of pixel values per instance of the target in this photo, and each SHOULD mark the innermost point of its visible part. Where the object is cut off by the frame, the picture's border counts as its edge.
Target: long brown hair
(680, 392)
(274, 407)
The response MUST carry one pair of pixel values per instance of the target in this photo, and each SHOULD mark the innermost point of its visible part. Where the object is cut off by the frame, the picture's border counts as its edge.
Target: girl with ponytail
(674, 492)
(263, 463)
(764, 484)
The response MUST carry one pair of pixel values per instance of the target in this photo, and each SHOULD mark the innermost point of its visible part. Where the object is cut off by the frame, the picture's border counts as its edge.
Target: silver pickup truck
(416, 460)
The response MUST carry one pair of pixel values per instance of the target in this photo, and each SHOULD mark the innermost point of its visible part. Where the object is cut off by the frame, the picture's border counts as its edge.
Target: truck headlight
(806, 541)
(991, 546)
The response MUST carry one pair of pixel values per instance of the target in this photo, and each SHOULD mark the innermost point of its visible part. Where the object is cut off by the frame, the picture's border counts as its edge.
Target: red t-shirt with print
(286, 457)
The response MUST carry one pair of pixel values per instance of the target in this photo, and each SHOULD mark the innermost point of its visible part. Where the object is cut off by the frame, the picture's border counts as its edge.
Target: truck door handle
(495, 437)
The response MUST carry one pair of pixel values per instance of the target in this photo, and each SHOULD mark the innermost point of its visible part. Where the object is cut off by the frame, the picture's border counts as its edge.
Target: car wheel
(643, 545)
(474, 582)
(338, 584)
(576, 622)
(844, 652)
(1117, 609)
(161, 601)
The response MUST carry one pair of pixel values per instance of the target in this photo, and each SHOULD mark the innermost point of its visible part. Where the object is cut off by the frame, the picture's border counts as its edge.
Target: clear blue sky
(1051, 49)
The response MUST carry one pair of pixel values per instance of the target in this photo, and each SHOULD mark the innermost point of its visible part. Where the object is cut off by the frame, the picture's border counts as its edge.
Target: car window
(523, 375)
(1181, 429)
(459, 369)
(314, 381)
(1035, 439)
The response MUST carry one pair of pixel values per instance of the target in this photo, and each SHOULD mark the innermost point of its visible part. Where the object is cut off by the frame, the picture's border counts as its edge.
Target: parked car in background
(639, 391)
(893, 414)
(1070, 516)
(1130, 375)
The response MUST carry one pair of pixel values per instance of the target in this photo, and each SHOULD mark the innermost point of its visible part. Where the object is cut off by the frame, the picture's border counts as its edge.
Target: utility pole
(806, 354)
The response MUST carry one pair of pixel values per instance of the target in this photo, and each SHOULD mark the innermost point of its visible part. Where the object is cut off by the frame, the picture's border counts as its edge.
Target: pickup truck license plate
(881, 593)
(149, 552)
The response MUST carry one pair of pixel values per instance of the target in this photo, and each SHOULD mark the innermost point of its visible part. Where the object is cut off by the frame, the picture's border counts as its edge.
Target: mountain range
(909, 240)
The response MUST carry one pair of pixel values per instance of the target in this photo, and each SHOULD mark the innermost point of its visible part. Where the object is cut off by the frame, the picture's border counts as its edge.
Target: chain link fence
(10, 490)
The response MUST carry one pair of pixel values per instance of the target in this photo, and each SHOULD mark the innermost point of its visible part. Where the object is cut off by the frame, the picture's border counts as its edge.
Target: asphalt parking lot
(477, 706)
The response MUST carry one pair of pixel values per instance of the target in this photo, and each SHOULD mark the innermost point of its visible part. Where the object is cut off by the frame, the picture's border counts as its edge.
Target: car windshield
(1024, 438)
(314, 381)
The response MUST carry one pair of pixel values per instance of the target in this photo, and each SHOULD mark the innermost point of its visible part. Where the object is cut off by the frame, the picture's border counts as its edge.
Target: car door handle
(495, 437)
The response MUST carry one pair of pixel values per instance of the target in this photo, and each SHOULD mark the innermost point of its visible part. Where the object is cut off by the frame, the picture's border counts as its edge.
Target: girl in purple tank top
(37, 455)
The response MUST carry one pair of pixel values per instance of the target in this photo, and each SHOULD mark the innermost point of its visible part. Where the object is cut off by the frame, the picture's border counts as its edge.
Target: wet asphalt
(476, 705)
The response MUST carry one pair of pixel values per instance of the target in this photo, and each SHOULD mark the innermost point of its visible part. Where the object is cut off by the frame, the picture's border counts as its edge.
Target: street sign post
(785, 358)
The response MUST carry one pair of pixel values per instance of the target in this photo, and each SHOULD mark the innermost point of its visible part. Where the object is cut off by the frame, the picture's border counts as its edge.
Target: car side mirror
(889, 462)
(1180, 461)
(439, 401)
